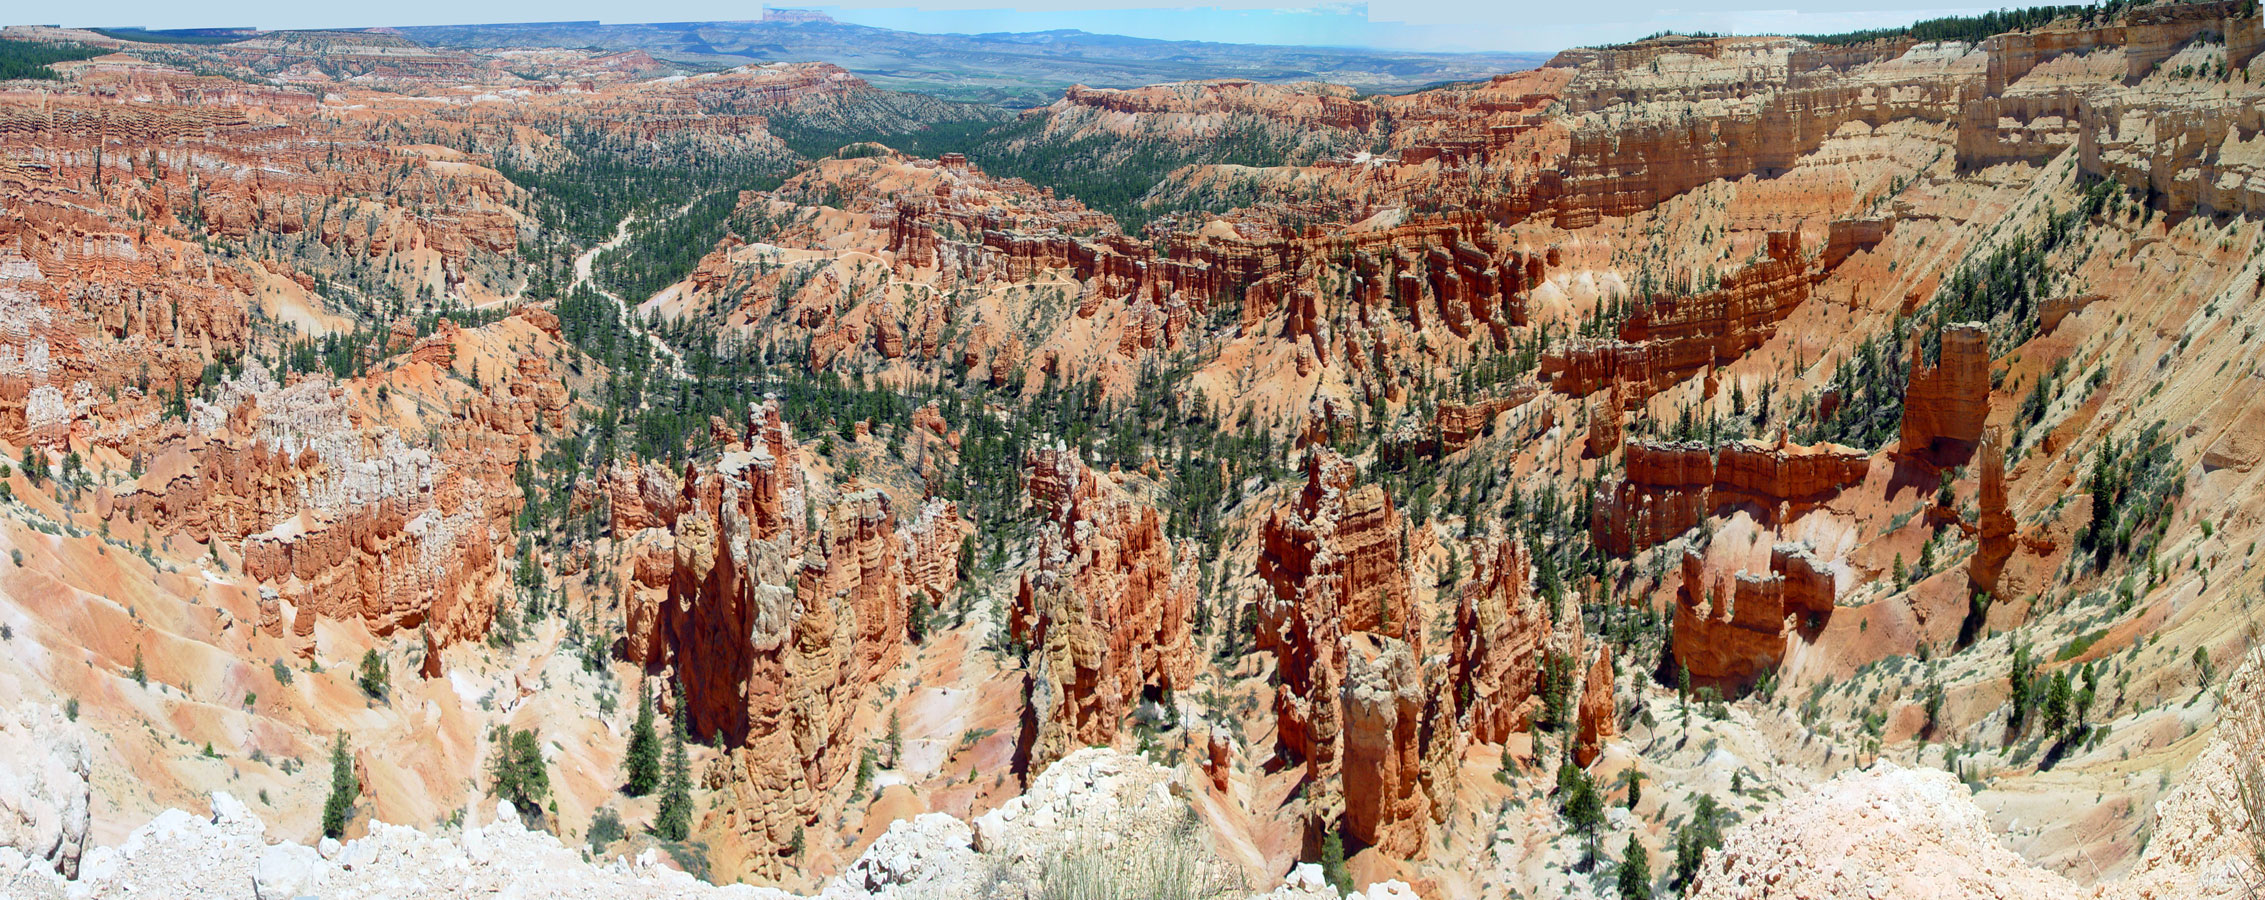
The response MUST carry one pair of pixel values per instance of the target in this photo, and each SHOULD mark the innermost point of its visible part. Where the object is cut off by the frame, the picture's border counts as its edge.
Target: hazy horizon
(1427, 25)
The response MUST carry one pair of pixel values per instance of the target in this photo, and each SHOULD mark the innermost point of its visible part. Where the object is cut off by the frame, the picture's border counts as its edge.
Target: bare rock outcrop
(1104, 808)
(1670, 488)
(1670, 338)
(1598, 718)
(43, 787)
(1996, 526)
(1619, 165)
(1606, 425)
(1460, 424)
(1886, 832)
(1500, 627)
(776, 631)
(345, 517)
(1386, 806)
(2205, 843)
(1332, 563)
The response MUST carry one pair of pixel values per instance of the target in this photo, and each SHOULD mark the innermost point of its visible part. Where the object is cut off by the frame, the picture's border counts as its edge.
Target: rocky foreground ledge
(1096, 814)
(1886, 831)
(1096, 817)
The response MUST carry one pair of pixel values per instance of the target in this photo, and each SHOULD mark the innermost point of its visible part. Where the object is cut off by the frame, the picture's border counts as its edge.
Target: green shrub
(605, 828)
(2077, 647)
(375, 678)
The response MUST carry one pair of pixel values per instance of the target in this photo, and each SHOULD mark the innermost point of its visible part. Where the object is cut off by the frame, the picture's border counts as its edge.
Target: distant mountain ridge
(1018, 69)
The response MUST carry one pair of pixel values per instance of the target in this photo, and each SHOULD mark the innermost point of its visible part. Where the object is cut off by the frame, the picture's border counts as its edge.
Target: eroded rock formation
(1460, 424)
(1598, 717)
(1995, 529)
(342, 516)
(1386, 803)
(1619, 165)
(777, 633)
(1106, 613)
(1500, 627)
(1671, 488)
(1946, 403)
(1668, 339)
(1605, 426)
(1337, 587)
(1729, 630)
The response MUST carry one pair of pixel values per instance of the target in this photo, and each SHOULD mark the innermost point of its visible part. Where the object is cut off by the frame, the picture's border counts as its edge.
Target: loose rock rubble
(43, 791)
(1882, 832)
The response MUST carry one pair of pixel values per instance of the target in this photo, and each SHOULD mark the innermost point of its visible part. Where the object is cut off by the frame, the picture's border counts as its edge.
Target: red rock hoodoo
(1106, 613)
(1729, 631)
(1946, 403)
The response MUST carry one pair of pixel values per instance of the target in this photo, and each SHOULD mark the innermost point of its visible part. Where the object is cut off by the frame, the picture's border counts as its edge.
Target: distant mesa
(777, 16)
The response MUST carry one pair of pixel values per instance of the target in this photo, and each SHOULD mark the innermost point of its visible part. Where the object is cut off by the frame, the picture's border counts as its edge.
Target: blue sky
(1425, 24)
(1518, 25)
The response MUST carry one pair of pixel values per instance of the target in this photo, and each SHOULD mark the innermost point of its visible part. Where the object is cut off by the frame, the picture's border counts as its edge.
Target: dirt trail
(582, 265)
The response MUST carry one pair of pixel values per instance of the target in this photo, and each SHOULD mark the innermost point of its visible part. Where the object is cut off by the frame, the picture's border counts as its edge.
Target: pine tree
(1699, 835)
(2084, 698)
(673, 821)
(895, 740)
(518, 774)
(2022, 684)
(1583, 808)
(140, 673)
(2058, 722)
(344, 788)
(1683, 696)
(1635, 871)
(916, 621)
(644, 758)
(1333, 867)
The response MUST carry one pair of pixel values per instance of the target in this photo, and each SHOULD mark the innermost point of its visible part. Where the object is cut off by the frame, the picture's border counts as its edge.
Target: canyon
(434, 467)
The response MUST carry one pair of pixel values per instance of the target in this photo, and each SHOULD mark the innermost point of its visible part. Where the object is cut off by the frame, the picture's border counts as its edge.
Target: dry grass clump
(1172, 864)
(2244, 725)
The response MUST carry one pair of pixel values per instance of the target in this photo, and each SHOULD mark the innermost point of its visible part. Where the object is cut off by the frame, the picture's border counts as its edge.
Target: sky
(1500, 25)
